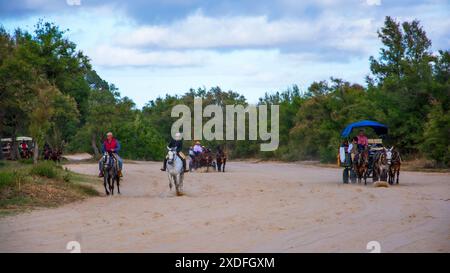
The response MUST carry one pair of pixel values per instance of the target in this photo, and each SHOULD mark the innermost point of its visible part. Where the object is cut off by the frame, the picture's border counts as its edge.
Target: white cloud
(198, 31)
(106, 55)
(373, 2)
(73, 2)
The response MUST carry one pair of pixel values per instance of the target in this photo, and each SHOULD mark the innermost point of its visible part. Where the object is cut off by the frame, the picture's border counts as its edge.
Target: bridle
(172, 155)
(108, 160)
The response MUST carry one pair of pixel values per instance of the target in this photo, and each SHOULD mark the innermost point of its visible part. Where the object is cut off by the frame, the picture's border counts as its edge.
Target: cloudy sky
(150, 48)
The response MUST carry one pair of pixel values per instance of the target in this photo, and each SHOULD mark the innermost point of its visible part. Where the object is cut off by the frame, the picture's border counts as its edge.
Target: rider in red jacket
(111, 145)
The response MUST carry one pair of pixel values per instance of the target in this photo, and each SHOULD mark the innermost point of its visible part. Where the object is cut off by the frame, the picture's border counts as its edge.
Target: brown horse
(394, 161)
(52, 154)
(361, 165)
(221, 160)
(206, 159)
(56, 155)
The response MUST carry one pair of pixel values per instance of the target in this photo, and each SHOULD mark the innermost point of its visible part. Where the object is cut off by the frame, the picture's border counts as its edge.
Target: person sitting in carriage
(198, 148)
(177, 143)
(363, 142)
(47, 151)
(111, 145)
(353, 148)
(24, 147)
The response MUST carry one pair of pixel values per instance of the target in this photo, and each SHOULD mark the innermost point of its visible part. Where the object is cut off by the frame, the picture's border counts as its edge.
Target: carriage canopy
(379, 128)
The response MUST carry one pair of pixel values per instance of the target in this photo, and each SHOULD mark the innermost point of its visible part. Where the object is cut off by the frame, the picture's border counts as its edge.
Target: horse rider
(24, 146)
(177, 143)
(111, 145)
(363, 142)
(47, 151)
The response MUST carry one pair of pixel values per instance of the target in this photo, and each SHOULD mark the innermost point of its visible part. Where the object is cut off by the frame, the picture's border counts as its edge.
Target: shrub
(7, 178)
(45, 169)
(67, 177)
(26, 161)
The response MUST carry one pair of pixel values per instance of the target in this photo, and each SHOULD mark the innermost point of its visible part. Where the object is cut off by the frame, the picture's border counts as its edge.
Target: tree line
(49, 91)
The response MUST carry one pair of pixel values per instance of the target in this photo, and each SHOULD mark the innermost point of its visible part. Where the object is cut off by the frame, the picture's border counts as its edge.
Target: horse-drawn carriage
(375, 145)
(207, 159)
(24, 146)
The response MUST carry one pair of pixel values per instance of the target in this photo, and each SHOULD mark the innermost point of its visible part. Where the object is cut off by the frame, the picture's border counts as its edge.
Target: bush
(436, 144)
(45, 169)
(328, 154)
(26, 161)
(67, 177)
(7, 178)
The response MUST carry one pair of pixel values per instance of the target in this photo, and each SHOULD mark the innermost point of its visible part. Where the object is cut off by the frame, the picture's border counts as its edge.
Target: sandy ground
(78, 157)
(264, 207)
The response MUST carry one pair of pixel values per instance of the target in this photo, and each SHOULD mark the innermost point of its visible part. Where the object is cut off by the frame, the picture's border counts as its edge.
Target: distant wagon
(7, 144)
(375, 145)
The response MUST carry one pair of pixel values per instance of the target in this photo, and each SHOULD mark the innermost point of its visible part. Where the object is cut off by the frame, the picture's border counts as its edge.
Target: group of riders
(112, 146)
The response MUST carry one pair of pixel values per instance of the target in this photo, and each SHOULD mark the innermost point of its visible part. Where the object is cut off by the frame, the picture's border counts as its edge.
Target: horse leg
(180, 183)
(118, 184)
(111, 184)
(365, 177)
(374, 175)
(104, 184)
(170, 181)
(390, 178)
(177, 184)
(398, 174)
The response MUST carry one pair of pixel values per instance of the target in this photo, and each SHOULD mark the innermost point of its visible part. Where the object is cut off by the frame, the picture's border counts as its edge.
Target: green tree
(436, 143)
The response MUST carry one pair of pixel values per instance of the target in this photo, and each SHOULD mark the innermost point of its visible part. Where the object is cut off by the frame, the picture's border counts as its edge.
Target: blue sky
(150, 48)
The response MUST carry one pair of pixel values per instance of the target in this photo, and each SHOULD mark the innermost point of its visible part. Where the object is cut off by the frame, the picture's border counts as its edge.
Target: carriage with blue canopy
(375, 144)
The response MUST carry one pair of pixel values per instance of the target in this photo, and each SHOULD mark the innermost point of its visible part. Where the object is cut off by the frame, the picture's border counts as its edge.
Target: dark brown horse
(206, 159)
(221, 159)
(56, 155)
(361, 165)
(395, 162)
(52, 154)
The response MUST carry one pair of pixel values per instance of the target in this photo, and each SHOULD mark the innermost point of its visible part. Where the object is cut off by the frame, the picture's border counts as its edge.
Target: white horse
(175, 170)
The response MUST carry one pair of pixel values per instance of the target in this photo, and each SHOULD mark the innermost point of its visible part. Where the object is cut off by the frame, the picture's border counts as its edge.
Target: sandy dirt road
(264, 207)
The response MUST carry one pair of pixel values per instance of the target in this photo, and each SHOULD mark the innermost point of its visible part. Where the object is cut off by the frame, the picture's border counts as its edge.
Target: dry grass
(422, 165)
(27, 187)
